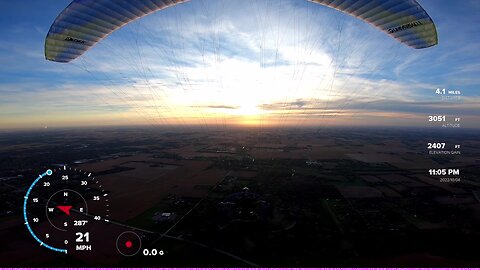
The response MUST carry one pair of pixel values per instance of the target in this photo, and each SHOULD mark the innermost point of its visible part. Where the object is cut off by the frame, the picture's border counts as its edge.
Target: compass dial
(61, 208)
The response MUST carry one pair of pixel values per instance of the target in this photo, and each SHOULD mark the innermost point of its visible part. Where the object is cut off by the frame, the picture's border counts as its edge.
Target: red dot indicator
(128, 243)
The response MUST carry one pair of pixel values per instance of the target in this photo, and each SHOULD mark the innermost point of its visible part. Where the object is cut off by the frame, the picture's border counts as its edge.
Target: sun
(248, 110)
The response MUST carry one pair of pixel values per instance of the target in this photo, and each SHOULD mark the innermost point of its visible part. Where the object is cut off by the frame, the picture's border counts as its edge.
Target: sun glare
(249, 109)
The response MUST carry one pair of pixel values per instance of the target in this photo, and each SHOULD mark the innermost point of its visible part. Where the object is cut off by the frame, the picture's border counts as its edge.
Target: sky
(230, 62)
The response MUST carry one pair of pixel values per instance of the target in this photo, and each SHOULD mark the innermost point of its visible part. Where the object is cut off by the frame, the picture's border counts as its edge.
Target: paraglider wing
(85, 22)
(404, 20)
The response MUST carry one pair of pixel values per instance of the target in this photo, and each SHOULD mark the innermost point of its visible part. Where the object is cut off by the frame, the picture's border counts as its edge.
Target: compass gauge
(61, 208)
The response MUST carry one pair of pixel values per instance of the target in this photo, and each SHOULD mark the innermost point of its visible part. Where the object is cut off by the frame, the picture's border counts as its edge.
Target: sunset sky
(230, 62)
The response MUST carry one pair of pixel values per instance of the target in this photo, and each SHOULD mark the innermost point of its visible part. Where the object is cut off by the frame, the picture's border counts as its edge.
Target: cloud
(464, 108)
(218, 107)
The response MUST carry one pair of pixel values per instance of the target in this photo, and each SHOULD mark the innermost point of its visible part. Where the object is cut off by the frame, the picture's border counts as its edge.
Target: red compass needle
(65, 208)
